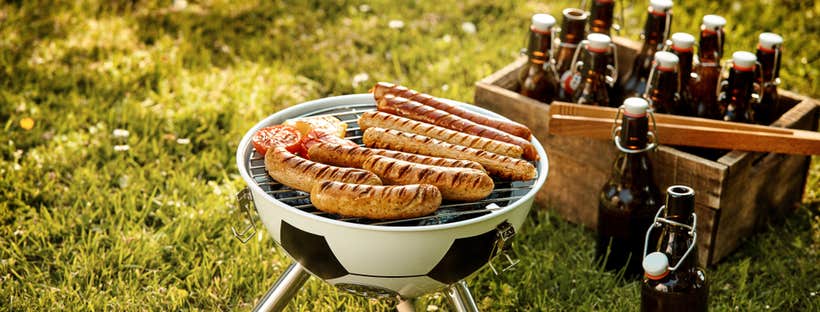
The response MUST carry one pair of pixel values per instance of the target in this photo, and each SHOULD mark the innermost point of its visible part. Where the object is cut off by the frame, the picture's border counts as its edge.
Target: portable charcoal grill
(386, 259)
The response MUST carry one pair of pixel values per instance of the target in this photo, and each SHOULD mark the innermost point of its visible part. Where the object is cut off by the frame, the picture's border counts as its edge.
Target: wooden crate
(735, 194)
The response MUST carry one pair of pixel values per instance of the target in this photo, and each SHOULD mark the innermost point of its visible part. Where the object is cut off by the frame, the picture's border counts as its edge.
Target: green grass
(84, 227)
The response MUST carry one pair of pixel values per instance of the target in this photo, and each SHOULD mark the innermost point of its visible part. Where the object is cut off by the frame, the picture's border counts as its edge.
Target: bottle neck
(572, 31)
(596, 70)
(685, 59)
(711, 46)
(634, 131)
(770, 64)
(678, 240)
(665, 88)
(740, 84)
(600, 16)
(539, 47)
(654, 31)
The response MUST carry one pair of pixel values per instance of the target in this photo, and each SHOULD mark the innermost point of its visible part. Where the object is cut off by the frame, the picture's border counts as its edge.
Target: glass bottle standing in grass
(655, 32)
(737, 96)
(630, 197)
(572, 33)
(704, 87)
(682, 287)
(593, 72)
(664, 89)
(601, 14)
(682, 46)
(769, 54)
(538, 78)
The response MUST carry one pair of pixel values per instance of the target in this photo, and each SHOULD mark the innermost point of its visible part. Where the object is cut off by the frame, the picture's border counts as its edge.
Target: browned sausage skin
(375, 201)
(354, 156)
(390, 121)
(511, 127)
(302, 174)
(420, 112)
(497, 165)
(454, 183)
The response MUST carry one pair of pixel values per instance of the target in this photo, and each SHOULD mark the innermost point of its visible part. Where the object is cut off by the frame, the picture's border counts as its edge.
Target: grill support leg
(283, 290)
(460, 298)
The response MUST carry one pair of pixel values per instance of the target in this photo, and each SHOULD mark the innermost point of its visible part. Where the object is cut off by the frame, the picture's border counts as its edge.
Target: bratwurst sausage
(302, 174)
(354, 156)
(375, 201)
(389, 121)
(498, 165)
(454, 183)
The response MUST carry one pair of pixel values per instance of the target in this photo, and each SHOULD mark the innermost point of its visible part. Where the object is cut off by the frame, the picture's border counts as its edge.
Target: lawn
(120, 197)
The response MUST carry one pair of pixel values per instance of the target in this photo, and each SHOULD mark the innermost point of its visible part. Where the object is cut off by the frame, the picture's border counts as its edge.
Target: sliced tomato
(277, 136)
(317, 136)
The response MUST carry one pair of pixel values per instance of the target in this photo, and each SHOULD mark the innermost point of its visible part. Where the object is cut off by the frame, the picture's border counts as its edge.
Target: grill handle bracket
(245, 200)
(505, 233)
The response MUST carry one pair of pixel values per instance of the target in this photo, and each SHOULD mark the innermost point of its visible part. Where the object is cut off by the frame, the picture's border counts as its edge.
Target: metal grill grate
(505, 192)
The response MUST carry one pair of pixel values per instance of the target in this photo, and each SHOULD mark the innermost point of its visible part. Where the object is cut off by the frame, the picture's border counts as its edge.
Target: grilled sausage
(354, 156)
(454, 183)
(415, 110)
(375, 201)
(498, 165)
(388, 121)
(302, 174)
(511, 127)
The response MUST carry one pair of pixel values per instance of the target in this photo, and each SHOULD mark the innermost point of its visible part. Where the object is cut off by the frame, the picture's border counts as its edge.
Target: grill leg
(283, 290)
(460, 298)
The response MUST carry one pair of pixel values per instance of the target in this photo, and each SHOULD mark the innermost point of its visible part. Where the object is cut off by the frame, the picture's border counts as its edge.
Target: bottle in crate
(682, 45)
(572, 33)
(682, 287)
(593, 71)
(737, 96)
(664, 89)
(769, 54)
(707, 70)
(630, 197)
(538, 78)
(601, 15)
(656, 30)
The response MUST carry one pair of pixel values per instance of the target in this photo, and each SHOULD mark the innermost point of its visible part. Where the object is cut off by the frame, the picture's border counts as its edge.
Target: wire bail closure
(616, 133)
(659, 221)
(611, 77)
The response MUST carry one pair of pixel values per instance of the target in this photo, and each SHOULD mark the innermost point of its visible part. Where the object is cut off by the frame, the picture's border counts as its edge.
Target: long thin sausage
(415, 110)
(354, 156)
(511, 127)
(454, 183)
(302, 174)
(389, 121)
(375, 201)
(498, 165)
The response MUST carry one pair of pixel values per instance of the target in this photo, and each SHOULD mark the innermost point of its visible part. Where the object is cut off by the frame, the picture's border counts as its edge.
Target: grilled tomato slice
(279, 135)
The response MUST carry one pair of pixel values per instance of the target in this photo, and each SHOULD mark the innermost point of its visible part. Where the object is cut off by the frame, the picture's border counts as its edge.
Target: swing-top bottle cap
(770, 40)
(635, 107)
(656, 265)
(713, 22)
(660, 6)
(681, 40)
(744, 61)
(598, 42)
(542, 22)
(666, 60)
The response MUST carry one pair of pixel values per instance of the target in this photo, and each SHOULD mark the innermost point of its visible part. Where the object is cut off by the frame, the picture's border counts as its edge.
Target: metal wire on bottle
(616, 133)
(659, 221)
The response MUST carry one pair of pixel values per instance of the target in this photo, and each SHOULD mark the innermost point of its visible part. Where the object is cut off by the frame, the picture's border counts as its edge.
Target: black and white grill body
(374, 258)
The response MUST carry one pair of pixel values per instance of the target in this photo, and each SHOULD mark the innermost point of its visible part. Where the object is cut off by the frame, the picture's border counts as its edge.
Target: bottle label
(570, 82)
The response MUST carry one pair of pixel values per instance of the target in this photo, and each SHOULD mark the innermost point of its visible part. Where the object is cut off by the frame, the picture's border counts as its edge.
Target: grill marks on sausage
(497, 165)
(303, 174)
(454, 183)
(375, 201)
(354, 156)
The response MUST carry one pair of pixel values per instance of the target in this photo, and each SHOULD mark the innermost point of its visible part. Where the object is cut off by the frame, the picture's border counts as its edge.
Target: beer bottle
(682, 287)
(572, 32)
(704, 87)
(630, 197)
(664, 88)
(681, 45)
(594, 73)
(538, 78)
(656, 30)
(768, 54)
(601, 15)
(737, 96)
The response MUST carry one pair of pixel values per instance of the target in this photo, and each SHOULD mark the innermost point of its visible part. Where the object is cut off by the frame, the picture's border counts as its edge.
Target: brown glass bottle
(655, 32)
(682, 287)
(592, 76)
(704, 86)
(629, 200)
(737, 92)
(538, 79)
(572, 33)
(769, 54)
(664, 89)
(681, 46)
(600, 16)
